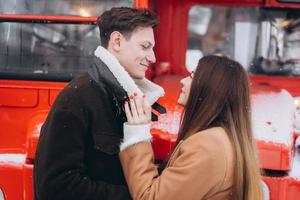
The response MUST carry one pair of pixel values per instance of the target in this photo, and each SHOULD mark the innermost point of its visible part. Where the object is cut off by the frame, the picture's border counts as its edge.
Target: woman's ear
(115, 41)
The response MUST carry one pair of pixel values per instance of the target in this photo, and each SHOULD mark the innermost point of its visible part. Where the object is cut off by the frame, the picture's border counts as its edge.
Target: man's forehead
(144, 34)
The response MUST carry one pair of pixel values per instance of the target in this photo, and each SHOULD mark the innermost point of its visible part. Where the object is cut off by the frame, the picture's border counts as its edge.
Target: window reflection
(47, 48)
(60, 7)
(264, 41)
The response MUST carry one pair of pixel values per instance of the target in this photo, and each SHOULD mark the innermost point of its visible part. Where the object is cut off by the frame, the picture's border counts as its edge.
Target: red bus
(44, 44)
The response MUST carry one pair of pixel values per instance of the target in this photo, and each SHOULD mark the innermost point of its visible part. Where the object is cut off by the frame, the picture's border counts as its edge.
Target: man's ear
(115, 40)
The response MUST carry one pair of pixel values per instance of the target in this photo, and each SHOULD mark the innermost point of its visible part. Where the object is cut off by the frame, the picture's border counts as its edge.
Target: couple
(95, 142)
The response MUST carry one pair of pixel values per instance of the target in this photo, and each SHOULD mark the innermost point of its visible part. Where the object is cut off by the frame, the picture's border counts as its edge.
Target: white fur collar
(142, 87)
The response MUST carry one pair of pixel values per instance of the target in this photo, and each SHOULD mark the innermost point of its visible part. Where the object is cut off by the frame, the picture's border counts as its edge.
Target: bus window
(46, 51)
(263, 40)
(60, 7)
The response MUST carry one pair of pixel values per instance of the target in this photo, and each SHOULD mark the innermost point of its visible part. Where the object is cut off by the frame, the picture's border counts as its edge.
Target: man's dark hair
(125, 20)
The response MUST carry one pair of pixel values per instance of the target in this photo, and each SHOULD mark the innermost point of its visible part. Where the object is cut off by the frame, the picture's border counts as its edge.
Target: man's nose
(151, 57)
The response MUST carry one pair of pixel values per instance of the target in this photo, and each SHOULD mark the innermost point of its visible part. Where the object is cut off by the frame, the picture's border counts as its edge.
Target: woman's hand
(139, 111)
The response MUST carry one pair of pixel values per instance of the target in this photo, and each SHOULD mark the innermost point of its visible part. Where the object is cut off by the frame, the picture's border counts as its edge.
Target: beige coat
(201, 167)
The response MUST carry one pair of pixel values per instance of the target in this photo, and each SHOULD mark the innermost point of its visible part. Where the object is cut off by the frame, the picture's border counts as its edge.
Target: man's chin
(138, 76)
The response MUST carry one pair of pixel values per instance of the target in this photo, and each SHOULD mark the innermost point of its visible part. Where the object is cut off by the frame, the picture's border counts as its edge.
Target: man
(77, 154)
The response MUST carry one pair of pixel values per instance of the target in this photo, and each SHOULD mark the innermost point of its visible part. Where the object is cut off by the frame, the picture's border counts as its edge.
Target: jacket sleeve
(61, 170)
(193, 174)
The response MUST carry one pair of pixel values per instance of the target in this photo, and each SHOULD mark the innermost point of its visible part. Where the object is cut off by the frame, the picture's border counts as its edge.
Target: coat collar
(101, 74)
(142, 87)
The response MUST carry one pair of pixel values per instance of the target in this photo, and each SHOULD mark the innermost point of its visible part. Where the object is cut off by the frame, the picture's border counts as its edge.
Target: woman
(214, 156)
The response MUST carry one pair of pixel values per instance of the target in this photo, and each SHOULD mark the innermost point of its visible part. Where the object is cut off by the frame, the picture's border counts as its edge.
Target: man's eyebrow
(149, 43)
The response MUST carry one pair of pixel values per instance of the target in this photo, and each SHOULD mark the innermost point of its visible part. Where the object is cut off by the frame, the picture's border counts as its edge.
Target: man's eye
(145, 47)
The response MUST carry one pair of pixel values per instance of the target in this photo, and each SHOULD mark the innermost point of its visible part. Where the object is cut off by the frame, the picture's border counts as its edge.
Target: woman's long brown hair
(219, 96)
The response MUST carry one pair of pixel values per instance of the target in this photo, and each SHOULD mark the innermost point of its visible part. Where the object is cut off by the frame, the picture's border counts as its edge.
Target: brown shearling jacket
(200, 167)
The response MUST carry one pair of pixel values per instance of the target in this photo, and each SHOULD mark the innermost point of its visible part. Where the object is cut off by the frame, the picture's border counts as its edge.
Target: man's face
(136, 53)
